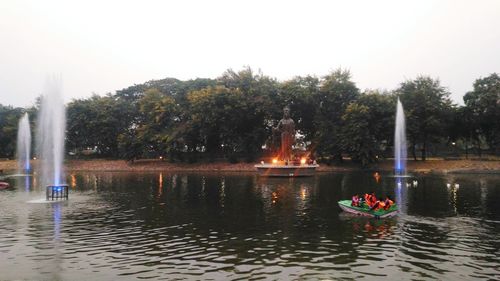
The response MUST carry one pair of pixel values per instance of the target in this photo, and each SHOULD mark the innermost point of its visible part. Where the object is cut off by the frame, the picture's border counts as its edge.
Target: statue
(286, 127)
(286, 163)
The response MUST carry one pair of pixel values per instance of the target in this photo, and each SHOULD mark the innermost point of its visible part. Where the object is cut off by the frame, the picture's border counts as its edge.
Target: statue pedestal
(278, 170)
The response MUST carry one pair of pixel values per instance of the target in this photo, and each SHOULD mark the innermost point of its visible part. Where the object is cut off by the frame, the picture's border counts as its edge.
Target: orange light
(275, 160)
(302, 161)
(73, 181)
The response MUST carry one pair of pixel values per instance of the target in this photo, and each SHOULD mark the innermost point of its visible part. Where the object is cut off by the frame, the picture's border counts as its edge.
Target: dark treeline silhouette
(232, 117)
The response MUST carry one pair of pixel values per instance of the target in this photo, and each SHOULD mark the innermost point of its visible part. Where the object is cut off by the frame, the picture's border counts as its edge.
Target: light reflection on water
(229, 226)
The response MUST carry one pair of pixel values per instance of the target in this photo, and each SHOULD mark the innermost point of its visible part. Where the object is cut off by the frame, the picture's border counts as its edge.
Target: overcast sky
(103, 46)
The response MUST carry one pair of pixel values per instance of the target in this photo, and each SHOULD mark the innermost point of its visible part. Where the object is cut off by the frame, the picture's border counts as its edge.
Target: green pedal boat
(364, 210)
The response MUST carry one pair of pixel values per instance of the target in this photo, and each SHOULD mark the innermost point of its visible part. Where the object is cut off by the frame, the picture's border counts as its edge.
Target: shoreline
(152, 165)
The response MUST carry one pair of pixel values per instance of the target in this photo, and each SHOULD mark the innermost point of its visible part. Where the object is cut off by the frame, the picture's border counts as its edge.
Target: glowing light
(160, 185)
(262, 162)
(275, 161)
(161, 157)
(274, 197)
(303, 193)
(302, 161)
(73, 181)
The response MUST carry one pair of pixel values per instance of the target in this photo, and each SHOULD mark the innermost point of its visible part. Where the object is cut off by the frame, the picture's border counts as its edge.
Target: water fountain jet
(400, 148)
(24, 145)
(51, 129)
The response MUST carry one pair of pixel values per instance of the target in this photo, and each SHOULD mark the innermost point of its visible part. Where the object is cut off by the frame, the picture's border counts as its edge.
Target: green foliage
(301, 94)
(233, 116)
(96, 123)
(483, 105)
(230, 119)
(355, 134)
(9, 118)
(337, 91)
(426, 105)
(158, 113)
(368, 126)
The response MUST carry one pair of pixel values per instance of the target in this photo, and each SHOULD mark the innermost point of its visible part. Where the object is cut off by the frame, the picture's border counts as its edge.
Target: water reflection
(72, 182)
(160, 185)
(230, 226)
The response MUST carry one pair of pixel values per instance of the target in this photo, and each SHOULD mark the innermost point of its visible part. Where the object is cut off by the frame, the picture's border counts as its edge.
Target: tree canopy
(232, 117)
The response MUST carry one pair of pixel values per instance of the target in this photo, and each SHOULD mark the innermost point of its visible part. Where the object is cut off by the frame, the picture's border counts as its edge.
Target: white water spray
(24, 145)
(400, 148)
(51, 129)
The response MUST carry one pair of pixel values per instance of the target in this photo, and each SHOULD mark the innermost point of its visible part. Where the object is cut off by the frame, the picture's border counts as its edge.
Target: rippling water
(240, 226)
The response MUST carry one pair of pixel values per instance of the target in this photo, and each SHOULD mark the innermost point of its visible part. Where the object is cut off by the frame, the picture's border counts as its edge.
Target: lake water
(121, 226)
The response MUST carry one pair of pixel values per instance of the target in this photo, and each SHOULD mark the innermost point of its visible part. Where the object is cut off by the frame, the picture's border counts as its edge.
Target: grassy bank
(429, 166)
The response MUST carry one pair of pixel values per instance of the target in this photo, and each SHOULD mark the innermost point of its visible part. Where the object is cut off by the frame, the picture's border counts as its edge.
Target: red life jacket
(368, 200)
(380, 205)
(388, 204)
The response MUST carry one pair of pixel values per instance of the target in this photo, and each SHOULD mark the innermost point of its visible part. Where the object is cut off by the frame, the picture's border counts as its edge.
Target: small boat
(4, 185)
(364, 210)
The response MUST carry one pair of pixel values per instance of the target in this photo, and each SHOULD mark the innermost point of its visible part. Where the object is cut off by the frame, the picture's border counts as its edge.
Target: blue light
(57, 221)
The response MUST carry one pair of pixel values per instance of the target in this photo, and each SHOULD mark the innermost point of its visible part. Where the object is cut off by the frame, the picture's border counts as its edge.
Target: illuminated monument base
(287, 163)
(278, 170)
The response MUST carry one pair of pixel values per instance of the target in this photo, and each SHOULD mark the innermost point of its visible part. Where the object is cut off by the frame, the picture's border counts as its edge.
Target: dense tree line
(232, 117)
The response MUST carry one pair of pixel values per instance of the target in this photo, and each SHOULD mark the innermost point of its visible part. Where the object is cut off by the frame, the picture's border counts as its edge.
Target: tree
(337, 91)
(426, 104)
(97, 122)
(259, 109)
(159, 113)
(464, 127)
(484, 104)
(301, 94)
(355, 134)
(9, 118)
(368, 126)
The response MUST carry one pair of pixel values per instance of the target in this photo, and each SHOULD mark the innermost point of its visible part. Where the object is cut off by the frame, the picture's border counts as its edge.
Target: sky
(98, 47)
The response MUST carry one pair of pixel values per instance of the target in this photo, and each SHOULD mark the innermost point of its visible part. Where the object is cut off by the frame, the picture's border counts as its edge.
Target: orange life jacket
(388, 204)
(367, 199)
(380, 205)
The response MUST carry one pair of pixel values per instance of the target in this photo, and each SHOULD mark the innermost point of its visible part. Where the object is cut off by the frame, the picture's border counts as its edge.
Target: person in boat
(355, 201)
(370, 199)
(379, 204)
(388, 203)
(367, 199)
(382, 204)
(361, 201)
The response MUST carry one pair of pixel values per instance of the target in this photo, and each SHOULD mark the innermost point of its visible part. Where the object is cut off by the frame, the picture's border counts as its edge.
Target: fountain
(400, 149)
(24, 145)
(50, 139)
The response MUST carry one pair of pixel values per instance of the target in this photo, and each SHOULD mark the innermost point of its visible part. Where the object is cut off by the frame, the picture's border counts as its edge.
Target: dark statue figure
(286, 127)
